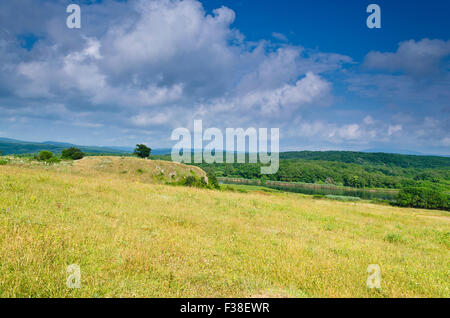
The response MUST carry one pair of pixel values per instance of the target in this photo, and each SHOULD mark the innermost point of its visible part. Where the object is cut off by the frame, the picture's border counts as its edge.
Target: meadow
(134, 236)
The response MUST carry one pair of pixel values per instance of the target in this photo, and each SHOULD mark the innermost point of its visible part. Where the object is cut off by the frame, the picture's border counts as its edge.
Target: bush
(193, 181)
(212, 180)
(72, 153)
(424, 198)
(229, 188)
(44, 155)
(53, 160)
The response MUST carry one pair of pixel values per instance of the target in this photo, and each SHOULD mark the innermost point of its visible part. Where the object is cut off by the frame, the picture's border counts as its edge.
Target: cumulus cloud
(175, 57)
(401, 131)
(141, 68)
(413, 77)
(309, 89)
(416, 58)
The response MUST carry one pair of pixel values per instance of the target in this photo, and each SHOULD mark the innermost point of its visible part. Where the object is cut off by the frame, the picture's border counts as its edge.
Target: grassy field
(132, 238)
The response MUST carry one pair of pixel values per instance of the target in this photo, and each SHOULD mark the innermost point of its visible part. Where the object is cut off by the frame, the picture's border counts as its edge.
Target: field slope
(136, 239)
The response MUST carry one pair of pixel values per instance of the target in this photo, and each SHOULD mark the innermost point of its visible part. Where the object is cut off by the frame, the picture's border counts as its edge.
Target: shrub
(212, 180)
(194, 181)
(44, 155)
(72, 153)
(229, 188)
(424, 198)
(190, 181)
(53, 160)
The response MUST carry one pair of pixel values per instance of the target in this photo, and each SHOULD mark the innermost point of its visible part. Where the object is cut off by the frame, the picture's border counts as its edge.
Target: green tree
(212, 180)
(44, 155)
(142, 151)
(424, 198)
(72, 153)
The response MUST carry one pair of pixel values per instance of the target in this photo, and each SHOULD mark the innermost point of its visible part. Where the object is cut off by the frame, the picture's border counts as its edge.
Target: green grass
(133, 237)
(246, 188)
(342, 197)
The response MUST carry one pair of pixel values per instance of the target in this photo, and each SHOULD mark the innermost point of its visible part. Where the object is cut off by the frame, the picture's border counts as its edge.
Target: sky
(137, 70)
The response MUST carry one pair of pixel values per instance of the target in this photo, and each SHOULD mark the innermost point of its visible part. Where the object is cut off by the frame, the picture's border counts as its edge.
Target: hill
(386, 159)
(134, 169)
(134, 239)
(17, 147)
(127, 168)
(345, 168)
(12, 146)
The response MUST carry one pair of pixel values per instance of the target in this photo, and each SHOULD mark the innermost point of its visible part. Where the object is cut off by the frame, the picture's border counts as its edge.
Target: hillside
(135, 239)
(343, 168)
(142, 170)
(386, 159)
(13, 146)
(127, 168)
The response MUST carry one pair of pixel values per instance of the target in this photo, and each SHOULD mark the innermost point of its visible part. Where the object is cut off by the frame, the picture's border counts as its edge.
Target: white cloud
(184, 62)
(150, 119)
(280, 36)
(347, 132)
(392, 129)
(416, 58)
(139, 64)
(309, 89)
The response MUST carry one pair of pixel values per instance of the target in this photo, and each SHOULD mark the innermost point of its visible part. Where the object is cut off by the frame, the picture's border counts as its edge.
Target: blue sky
(339, 26)
(136, 70)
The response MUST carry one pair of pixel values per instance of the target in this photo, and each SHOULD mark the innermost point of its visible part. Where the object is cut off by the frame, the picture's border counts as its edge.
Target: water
(366, 194)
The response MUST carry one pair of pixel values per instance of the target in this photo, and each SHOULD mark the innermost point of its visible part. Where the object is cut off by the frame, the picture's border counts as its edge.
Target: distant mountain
(10, 146)
(378, 158)
(395, 151)
(161, 151)
(401, 152)
(127, 149)
(56, 143)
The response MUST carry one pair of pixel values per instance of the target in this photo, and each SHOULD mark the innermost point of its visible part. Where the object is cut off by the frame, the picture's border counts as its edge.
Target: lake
(322, 189)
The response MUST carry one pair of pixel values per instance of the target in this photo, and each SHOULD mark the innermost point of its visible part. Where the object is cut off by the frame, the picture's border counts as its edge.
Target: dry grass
(134, 239)
(146, 171)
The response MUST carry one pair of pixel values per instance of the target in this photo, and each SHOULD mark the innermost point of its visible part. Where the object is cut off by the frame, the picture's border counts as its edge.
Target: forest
(350, 169)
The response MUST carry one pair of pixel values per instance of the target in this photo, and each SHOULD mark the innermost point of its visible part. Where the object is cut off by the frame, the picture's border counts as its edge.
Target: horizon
(130, 148)
(313, 70)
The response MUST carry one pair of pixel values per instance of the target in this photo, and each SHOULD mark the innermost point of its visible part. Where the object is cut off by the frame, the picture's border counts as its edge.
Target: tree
(425, 198)
(72, 153)
(142, 151)
(212, 180)
(44, 155)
